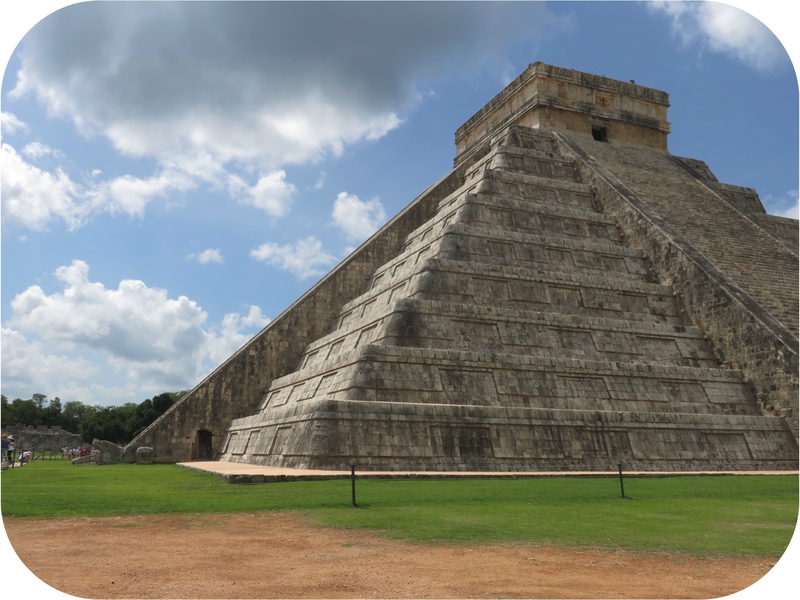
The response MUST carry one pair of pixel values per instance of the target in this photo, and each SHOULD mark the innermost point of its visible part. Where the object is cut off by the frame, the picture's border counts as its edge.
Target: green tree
(38, 400)
(162, 402)
(5, 412)
(52, 414)
(25, 412)
(108, 423)
(118, 424)
(73, 413)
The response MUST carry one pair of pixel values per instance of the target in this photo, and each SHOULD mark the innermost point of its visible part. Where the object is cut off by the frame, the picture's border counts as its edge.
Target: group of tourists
(14, 456)
(70, 453)
(9, 452)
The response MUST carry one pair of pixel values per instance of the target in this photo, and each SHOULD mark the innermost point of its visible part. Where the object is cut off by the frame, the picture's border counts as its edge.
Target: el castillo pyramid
(570, 296)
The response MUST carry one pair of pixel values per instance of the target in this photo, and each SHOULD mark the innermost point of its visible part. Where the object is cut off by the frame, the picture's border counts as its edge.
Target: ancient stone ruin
(570, 296)
(42, 439)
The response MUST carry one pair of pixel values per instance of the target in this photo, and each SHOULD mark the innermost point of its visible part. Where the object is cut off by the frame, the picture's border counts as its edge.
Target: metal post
(621, 485)
(353, 482)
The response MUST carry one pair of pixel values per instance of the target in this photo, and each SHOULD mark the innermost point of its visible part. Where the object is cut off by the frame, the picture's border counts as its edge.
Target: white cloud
(300, 258)
(152, 338)
(254, 318)
(207, 256)
(230, 337)
(783, 207)
(37, 150)
(26, 365)
(9, 123)
(130, 195)
(33, 197)
(356, 218)
(300, 82)
(726, 30)
(272, 194)
(133, 323)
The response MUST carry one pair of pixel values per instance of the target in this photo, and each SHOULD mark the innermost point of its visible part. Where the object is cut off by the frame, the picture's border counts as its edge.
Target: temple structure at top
(556, 99)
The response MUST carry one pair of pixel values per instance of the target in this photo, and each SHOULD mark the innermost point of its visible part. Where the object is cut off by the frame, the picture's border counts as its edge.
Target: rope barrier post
(353, 482)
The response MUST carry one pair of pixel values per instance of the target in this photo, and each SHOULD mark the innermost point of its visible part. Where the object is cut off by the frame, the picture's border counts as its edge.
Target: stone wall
(783, 228)
(236, 387)
(735, 281)
(43, 439)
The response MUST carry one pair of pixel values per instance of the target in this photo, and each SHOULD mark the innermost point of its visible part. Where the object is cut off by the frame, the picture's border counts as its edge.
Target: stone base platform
(246, 473)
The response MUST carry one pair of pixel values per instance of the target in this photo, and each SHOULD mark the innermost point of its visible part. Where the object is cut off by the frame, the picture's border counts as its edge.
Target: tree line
(118, 424)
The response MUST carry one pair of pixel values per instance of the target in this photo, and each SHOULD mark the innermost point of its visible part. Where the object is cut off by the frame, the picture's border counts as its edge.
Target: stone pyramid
(529, 320)
(516, 330)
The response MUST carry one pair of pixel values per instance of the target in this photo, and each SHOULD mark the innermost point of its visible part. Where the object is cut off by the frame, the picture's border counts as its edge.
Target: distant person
(10, 451)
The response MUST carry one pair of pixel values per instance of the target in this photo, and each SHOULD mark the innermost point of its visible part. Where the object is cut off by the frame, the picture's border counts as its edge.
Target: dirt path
(281, 556)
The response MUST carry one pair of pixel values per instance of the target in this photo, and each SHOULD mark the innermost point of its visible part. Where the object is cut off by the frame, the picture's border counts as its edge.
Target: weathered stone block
(144, 456)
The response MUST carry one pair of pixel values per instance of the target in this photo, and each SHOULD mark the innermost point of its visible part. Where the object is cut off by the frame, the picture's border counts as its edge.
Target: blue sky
(174, 175)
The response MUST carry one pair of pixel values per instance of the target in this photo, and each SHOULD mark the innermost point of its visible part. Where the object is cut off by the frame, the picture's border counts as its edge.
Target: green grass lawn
(709, 515)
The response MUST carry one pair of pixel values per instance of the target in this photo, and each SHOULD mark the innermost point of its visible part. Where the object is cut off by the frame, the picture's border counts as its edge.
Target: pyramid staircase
(515, 330)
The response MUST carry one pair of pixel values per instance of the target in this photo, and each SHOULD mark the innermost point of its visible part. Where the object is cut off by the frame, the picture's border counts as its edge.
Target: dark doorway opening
(205, 448)
(600, 134)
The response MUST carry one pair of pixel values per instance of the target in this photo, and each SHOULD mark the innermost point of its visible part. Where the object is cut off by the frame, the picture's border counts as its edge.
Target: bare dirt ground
(280, 555)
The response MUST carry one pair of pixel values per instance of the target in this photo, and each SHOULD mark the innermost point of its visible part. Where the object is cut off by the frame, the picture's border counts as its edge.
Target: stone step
(492, 244)
(383, 373)
(534, 162)
(333, 433)
(451, 326)
(532, 188)
(552, 291)
(497, 246)
(427, 323)
(522, 216)
(431, 324)
(514, 216)
(518, 288)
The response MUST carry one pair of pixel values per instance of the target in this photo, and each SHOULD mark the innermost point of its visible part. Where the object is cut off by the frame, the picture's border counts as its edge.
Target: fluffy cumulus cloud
(272, 194)
(356, 218)
(141, 331)
(34, 197)
(26, 365)
(301, 258)
(229, 338)
(725, 29)
(130, 195)
(229, 93)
